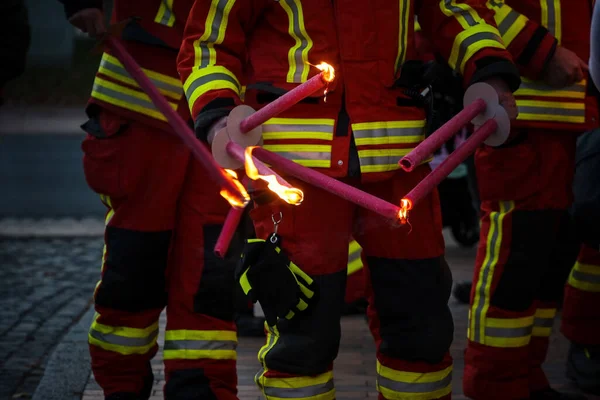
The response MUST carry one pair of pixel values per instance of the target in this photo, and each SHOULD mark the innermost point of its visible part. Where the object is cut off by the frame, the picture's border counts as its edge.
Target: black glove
(267, 275)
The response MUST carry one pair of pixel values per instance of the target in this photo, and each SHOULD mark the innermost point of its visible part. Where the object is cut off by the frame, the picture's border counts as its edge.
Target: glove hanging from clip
(267, 275)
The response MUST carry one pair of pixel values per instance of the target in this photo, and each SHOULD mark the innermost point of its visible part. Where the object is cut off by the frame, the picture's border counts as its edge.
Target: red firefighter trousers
(525, 188)
(409, 316)
(162, 221)
(581, 314)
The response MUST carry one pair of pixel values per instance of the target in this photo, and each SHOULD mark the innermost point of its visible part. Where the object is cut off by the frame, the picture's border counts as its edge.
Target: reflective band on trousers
(543, 322)
(121, 339)
(190, 344)
(550, 111)
(585, 277)
(298, 54)
(508, 332)
(419, 385)
(354, 260)
(300, 392)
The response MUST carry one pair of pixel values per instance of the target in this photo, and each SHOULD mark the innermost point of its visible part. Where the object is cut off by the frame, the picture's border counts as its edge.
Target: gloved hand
(267, 275)
(214, 128)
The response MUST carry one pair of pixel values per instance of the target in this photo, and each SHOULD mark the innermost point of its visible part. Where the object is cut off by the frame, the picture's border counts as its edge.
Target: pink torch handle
(428, 146)
(460, 154)
(180, 127)
(331, 185)
(232, 221)
(283, 103)
(239, 153)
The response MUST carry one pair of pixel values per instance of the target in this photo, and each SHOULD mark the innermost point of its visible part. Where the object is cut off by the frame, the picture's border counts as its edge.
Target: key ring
(275, 226)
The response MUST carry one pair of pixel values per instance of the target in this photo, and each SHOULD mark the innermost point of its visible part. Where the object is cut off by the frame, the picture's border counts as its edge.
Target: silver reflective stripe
(119, 70)
(545, 88)
(461, 12)
(543, 322)
(508, 332)
(200, 345)
(354, 256)
(585, 277)
(124, 340)
(167, 14)
(299, 393)
(402, 37)
(303, 155)
(297, 128)
(217, 76)
(465, 44)
(551, 17)
(122, 96)
(486, 276)
(508, 21)
(414, 387)
(566, 112)
(379, 160)
(298, 35)
(387, 132)
(214, 33)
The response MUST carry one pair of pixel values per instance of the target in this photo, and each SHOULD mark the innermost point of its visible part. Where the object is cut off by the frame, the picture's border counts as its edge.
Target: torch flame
(290, 195)
(405, 206)
(328, 71)
(232, 199)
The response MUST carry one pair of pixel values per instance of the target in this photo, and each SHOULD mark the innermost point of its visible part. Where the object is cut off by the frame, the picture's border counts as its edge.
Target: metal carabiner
(275, 226)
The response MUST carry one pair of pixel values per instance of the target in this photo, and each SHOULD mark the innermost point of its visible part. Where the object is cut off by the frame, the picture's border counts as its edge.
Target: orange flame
(405, 206)
(328, 71)
(290, 195)
(232, 199)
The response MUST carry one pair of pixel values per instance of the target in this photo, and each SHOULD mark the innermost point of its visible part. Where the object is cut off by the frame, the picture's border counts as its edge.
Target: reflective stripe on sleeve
(214, 33)
(510, 23)
(165, 14)
(209, 78)
(551, 18)
(470, 41)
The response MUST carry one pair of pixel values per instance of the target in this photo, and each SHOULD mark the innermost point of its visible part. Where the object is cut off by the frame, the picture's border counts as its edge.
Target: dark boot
(462, 292)
(356, 308)
(145, 393)
(551, 394)
(249, 326)
(583, 367)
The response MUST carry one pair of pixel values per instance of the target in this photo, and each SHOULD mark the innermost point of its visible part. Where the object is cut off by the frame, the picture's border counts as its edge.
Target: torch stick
(455, 158)
(329, 184)
(232, 221)
(201, 153)
(426, 148)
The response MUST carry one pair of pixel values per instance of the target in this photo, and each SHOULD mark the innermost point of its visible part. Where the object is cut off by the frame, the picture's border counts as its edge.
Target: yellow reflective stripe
(540, 89)
(534, 110)
(214, 33)
(319, 387)
(354, 246)
(123, 340)
(124, 331)
(193, 345)
(417, 25)
(355, 266)
(509, 322)
(165, 14)
(380, 160)
(126, 98)
(585, 277)
(298, 128)
(543, 322)
(354, 257)
(540, 331)
(209, 78)
(470, 41)
(521, 341)
(183, 334)
(413, 385)
(298, 54)
(308, 155)
(551, 17)
(388, 132)
(404, 18)
(245, 282)
(545, 313)
(466, 16)
(510, 23)
(272, 338)
(167, 85)
(484, 281)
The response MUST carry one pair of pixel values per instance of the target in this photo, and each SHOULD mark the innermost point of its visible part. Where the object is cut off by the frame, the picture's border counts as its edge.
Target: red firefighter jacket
(532, 29)
(272, 45)
(153, 41)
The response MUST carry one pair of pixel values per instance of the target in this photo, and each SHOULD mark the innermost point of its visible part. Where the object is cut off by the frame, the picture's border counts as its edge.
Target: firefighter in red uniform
(366, 124)
(525, 188)
(162, 212)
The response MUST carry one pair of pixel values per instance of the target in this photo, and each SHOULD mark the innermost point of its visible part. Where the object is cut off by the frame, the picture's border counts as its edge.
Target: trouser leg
(200, 339)
(410, 286)
(139, 172)
(297, 360)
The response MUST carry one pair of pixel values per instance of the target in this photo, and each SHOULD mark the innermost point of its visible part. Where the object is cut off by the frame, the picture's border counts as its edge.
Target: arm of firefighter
(212, 56)
(74, 6)
(465, 34)
(594, 62)
(530, 44)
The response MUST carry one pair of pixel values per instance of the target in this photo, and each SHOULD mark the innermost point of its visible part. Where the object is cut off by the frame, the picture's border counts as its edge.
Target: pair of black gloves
(267, 275)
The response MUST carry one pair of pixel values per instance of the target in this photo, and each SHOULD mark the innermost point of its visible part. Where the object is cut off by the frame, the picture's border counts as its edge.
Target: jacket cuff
(210, 114)
(74, 6)
(538, 52)
(492, 67)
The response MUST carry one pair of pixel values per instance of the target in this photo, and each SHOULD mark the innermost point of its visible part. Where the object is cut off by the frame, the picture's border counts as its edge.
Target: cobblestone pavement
(45, 286)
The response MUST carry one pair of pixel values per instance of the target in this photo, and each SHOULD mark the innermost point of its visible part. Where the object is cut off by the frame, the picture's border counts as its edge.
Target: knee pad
(533, 234)
(411, 303)
(217, 289)
(134, 275)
